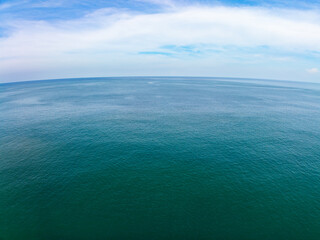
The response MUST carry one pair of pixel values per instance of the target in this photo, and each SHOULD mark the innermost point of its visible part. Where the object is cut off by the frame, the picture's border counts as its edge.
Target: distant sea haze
(159, 158)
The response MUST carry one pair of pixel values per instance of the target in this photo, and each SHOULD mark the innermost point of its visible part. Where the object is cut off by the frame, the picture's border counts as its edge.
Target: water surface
(159, 158)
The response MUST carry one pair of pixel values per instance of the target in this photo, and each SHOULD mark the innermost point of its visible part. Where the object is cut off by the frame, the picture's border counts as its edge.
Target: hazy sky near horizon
(45, 39)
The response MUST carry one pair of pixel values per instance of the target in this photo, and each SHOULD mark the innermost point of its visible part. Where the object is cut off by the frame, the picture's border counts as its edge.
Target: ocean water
(160, 158)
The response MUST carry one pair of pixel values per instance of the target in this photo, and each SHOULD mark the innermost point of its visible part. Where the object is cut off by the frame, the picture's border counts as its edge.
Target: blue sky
(45, 39)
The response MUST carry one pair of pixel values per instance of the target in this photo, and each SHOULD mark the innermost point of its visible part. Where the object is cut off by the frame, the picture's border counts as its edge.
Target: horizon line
(176, 76)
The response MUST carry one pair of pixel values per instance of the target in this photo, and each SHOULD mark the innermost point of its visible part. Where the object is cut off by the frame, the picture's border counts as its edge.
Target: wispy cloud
(156, 53)
(6, 5)
(48, 4)
(217, 37)
(167, 3)
(313, 70)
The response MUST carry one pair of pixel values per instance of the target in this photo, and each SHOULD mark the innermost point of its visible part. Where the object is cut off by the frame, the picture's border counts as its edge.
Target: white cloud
(5, 6)
(313, 70)
(166, 3)
(109, 37)
(48, 4)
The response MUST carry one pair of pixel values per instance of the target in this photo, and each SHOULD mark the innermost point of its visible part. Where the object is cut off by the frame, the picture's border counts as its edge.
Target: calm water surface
(159, 158)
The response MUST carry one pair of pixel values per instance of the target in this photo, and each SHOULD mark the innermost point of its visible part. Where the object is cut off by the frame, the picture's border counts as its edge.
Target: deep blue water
(160, 158)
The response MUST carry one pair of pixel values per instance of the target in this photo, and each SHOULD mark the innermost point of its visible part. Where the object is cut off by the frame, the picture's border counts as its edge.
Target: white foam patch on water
(28, 101)
(130, 98)
(91, 84)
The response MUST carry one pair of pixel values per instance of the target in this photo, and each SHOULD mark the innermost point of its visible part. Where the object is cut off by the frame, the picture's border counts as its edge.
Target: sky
(51, 39)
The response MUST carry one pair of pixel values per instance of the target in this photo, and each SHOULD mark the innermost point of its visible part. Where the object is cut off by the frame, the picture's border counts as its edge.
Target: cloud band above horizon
(189, 39)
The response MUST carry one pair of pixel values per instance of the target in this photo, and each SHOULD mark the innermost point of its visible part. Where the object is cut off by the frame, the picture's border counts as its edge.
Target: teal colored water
(159, 158)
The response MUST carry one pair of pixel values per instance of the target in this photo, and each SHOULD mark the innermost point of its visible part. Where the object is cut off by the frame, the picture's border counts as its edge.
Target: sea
(148, 158)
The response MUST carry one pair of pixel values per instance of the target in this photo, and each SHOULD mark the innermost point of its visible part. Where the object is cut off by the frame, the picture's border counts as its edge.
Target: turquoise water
(159, 158)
